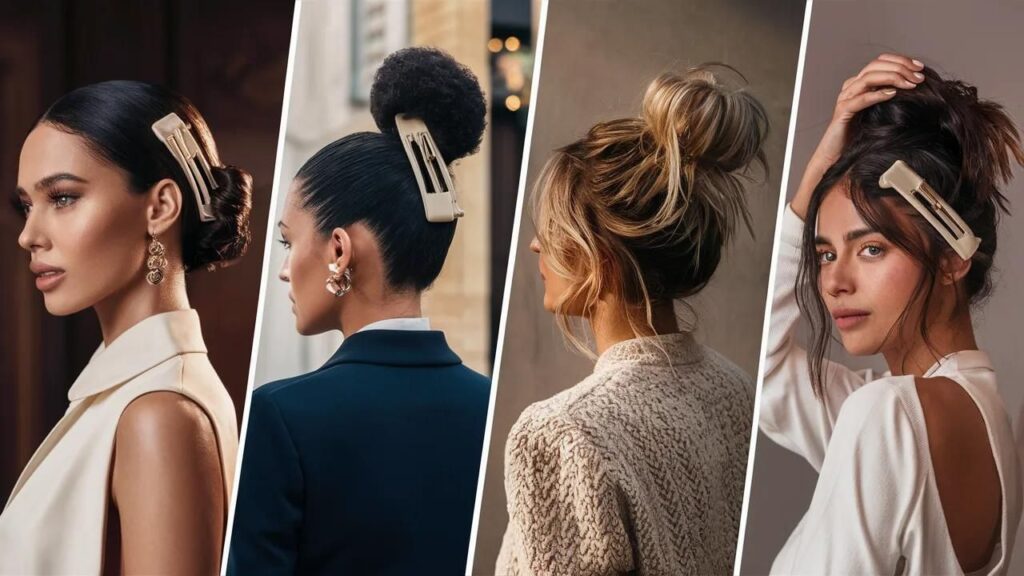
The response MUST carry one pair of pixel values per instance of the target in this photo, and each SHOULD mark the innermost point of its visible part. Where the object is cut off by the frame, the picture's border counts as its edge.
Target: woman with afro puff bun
(369, 464)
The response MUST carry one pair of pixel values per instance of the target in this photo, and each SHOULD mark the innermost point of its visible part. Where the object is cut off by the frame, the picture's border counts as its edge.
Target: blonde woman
(640, 467)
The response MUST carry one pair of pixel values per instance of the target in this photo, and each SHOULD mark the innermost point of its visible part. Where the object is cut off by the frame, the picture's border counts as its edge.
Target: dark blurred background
(227, 56)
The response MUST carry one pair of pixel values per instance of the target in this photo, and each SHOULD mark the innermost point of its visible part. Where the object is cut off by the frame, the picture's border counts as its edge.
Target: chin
(57, 306)
(860, 346)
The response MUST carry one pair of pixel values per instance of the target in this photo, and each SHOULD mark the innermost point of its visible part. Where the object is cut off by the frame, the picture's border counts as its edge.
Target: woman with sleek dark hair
(918, 469)
(123, 194)
(369, 464)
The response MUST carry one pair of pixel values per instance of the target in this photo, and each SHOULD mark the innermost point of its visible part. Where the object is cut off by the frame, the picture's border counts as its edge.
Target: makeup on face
(85, 229)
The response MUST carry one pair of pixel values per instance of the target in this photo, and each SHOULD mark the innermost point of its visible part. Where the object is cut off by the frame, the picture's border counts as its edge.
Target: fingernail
(918, 75)
(889, 91)
(918, 63)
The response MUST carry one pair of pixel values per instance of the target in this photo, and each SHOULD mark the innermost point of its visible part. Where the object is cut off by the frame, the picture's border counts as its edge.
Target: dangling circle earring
(339, 282)
(156, 263)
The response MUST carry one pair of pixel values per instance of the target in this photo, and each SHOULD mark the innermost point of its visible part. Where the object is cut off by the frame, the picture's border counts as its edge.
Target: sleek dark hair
(962, 146)
(366, 177)
(115, 118)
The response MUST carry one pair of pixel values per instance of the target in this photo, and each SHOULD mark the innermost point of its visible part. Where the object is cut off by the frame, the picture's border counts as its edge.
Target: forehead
(837, 214)
(48, 150)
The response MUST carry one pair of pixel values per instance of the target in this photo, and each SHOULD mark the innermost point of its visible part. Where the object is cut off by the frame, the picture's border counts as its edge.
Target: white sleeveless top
(55, 520)
(876, 506)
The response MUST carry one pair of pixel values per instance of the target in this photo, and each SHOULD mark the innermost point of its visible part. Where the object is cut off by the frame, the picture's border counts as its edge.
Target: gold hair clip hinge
(933, 208)
(177, 136)
(430, 169)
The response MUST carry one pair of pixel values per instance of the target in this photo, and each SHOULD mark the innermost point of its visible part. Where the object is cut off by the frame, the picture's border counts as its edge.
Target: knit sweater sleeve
(565, 509)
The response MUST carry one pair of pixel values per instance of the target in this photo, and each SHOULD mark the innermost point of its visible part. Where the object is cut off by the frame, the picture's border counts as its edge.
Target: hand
(876, 82)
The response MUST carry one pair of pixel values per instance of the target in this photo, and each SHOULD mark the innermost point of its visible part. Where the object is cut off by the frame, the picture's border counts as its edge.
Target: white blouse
(876, 507)
(54, 522)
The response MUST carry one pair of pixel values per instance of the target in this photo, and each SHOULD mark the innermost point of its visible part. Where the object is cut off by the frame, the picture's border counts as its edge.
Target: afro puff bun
(429, 84)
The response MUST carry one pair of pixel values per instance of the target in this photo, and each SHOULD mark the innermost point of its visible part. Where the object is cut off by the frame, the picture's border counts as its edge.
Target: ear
(163, 207)
(339, 247)
(953, 269)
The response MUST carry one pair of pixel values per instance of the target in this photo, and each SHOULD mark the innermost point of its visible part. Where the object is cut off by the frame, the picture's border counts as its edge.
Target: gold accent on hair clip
(430, 169)
(178, 138)
(927, 201)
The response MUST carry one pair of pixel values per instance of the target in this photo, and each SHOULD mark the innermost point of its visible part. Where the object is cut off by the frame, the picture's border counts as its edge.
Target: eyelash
(62, 199)
(287, 245)
(823, 254)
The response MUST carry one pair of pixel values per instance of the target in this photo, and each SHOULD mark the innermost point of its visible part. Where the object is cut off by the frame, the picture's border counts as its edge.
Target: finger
(901, 59)
(865, 100)
(874, 80)
(885, 66)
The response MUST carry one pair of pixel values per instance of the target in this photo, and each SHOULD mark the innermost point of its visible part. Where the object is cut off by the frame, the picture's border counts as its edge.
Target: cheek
(100, 246)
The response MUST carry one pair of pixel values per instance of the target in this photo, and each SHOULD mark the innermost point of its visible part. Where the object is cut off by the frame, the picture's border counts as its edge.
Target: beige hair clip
(927, 201)
(178, 138)
(436, 187)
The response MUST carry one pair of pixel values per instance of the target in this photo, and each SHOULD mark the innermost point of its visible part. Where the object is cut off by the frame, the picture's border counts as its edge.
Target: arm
(867, 490)
(564, 508)
(168, 487)
(790, 413)
(268, 509)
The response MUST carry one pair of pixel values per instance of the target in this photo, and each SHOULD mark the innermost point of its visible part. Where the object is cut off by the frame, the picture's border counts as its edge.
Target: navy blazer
(366, 466)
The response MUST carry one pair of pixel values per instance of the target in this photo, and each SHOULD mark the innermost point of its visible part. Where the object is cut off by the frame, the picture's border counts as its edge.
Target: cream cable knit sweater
(639, 469)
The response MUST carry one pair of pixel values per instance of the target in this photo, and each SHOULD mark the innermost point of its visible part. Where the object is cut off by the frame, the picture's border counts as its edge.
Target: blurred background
(843, 37)
(229, 58)
(599, 56)
(341, 44)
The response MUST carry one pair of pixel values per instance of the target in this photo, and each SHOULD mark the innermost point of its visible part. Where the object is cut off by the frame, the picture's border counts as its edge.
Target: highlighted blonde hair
(641, 207)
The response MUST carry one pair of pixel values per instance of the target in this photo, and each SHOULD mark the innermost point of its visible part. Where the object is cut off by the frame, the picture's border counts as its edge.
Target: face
(866, 281)
(305, 268)
(555, 286)
(85, 229)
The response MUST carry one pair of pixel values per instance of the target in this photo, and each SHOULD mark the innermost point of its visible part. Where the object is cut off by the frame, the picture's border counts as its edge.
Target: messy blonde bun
(641, 207)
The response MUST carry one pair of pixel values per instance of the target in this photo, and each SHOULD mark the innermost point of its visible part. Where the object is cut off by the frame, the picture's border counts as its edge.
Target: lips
(47, 277)
(847, 318)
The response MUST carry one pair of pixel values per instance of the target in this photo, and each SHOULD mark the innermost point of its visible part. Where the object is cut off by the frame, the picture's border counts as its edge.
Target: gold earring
(156, 263)
(338, 282)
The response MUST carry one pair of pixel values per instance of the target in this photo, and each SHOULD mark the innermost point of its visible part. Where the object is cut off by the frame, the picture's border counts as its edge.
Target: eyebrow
(53, 179)
(849, 236)
(281, 224)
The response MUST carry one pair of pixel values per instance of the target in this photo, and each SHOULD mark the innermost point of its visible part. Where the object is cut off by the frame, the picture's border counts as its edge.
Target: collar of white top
(149, 342)
(398, 324)
(961, 361)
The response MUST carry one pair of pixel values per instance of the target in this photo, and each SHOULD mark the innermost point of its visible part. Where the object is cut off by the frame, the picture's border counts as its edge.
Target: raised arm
(790, 412)
(168, 487)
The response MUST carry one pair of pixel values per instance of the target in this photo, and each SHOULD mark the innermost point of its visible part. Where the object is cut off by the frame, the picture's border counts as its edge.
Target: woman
(917, 468)
(369, 464)
(639, 468)
(123, 193)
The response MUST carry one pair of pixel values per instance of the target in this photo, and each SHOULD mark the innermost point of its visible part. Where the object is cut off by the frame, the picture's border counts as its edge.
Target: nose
(837, 279)
(284, 274)
(32, 237)
(535, 245)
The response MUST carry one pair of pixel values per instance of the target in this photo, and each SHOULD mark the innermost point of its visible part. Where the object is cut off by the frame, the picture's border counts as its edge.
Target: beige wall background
(599, 56)
(978, 42)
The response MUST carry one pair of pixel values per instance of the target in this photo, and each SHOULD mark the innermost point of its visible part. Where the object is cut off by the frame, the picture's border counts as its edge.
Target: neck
(138, 301)
(611, 325)
(363, 310)
(943, 338)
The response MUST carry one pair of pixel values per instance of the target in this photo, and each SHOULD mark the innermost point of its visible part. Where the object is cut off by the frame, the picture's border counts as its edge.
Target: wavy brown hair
(964, 147)
(642, 207)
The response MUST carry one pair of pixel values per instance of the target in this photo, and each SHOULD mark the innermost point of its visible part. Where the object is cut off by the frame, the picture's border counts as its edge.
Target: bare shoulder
(164, 425)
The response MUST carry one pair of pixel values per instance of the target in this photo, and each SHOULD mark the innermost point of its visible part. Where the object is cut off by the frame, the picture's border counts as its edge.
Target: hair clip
(177, 136)
(934, 209)
(436, 187)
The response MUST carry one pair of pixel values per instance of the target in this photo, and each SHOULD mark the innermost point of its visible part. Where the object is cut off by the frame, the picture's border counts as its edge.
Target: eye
(21, 206)
(287, 245)
(872, 251)
(826, 256)
(62, 200)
